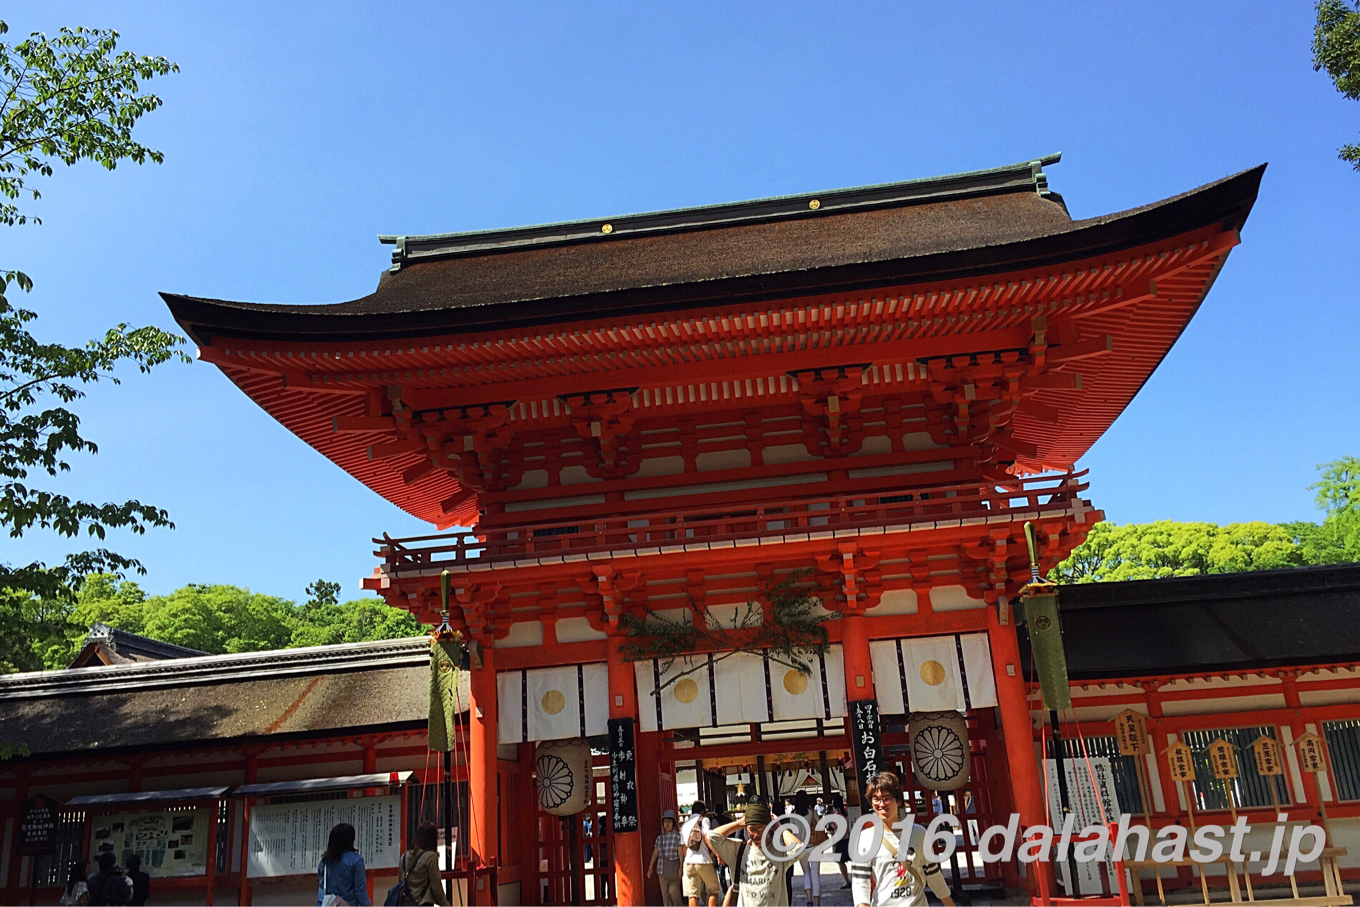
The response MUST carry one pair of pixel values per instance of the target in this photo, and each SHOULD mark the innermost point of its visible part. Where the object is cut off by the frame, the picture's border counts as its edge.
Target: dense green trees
(1166, 548)
(38, 633)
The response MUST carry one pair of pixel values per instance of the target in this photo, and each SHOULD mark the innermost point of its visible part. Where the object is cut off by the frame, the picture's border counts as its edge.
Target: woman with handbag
(340, 879)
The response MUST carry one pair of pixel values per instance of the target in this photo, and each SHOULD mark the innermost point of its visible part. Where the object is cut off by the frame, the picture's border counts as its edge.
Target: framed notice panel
(287, 839)
(171, 843)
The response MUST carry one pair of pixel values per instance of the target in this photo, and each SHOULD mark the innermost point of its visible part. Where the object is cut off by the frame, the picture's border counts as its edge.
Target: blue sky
(295, 133)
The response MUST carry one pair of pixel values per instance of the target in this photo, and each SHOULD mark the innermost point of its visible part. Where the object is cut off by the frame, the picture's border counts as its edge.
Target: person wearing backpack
(340, 879)
(700, 882)
(758, 876)
(418, 879)
(110, 884)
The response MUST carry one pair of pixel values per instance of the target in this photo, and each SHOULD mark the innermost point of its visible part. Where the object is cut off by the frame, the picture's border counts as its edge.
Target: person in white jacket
(897, 875)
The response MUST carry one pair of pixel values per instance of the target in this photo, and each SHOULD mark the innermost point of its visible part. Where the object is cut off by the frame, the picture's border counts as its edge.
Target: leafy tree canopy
(1336, 48)
(38, 633)
(1153, 550)
(63, 100)
(1112, 553)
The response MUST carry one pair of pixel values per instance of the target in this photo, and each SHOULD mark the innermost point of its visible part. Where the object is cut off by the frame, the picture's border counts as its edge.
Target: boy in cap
(757, 874)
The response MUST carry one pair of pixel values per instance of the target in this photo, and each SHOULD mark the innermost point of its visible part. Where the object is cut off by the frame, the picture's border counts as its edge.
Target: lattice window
(1248, 789)
(53, 869)
(1343, 746)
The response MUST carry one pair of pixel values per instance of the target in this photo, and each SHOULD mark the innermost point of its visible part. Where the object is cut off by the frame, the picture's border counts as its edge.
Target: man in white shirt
(700, 879)
(758, 876)
(898, 874)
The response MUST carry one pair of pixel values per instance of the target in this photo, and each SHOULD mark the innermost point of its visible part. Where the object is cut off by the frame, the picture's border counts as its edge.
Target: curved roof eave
(1227, 201)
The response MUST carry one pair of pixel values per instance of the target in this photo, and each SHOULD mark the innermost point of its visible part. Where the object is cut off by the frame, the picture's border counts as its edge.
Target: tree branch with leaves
(785, 623)
(1336, 48)
(62, 100)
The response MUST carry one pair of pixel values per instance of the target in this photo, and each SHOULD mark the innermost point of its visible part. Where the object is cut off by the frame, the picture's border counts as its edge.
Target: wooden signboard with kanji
(1222, 759)
(1180, 759)
(1311, 756)
(1130, 728)
(1267, 754)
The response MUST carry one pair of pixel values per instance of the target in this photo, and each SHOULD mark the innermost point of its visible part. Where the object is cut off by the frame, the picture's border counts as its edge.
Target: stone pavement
(833, 895)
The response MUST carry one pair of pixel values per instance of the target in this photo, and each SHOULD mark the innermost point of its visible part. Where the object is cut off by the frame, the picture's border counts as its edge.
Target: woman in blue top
(340, 875)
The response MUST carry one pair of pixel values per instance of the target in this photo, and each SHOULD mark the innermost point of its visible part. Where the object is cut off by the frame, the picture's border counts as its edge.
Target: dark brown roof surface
(1012, 224)
(331, 690)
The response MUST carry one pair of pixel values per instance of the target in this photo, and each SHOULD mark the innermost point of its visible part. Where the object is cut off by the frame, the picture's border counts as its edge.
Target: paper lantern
(940, 755)
(563, 775)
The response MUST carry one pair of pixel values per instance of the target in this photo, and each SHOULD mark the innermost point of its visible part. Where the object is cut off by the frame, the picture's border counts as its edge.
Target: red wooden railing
(680, 526)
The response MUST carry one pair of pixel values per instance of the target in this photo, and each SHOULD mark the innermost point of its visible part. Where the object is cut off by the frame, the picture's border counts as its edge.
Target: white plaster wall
(777, 454)
(660, 466)
(895, 601)
(953, 598)
(723, 459)
(577, 629)
(522, 634)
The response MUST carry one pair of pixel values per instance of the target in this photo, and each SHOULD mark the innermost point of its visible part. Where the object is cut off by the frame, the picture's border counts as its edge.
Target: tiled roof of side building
(964, 225)
(110, 645)
(1212, 623)
(186, 702)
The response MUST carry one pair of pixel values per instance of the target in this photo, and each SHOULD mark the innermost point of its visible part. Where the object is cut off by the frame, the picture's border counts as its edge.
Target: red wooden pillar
(859, 674)
(483, 808)
(628, 875)
(12, 884)
(1027, 787)
(210, 876)
(859, 686)
(649, 773)
(1312, 793)
(244, 897)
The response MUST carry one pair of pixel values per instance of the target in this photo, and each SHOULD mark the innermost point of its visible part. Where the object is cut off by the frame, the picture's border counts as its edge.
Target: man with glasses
(898, 874)
(757, 874)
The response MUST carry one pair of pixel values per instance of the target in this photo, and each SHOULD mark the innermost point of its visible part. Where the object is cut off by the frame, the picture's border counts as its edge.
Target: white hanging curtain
(552, 703)
(740, 689)
(933, 673)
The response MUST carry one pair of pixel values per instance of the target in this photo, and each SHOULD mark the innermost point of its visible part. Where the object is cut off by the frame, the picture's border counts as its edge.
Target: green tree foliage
(1154, 550)
(1112, 553)
(1337, 538)
(63, 100)
(46, 634)
(1336, 48)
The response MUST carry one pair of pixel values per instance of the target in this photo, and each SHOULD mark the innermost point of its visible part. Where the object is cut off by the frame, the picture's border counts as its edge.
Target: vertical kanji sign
(623, 774)
(1267, 753)
(1180, 759)
(1223, 759)
(866, 742)
(1311, 757)
(1130, 729)
(38, 825)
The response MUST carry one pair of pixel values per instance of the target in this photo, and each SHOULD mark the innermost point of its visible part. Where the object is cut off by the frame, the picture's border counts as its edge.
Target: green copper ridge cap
(1028, 175)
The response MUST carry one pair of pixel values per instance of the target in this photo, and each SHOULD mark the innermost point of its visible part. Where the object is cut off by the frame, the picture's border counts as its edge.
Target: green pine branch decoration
(783, 624)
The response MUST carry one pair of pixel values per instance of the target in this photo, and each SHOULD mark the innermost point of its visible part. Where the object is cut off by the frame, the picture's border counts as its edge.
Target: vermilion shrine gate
(661, 411)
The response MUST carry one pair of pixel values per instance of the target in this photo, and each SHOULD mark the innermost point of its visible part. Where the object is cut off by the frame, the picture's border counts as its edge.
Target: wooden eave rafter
(1110, 322)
